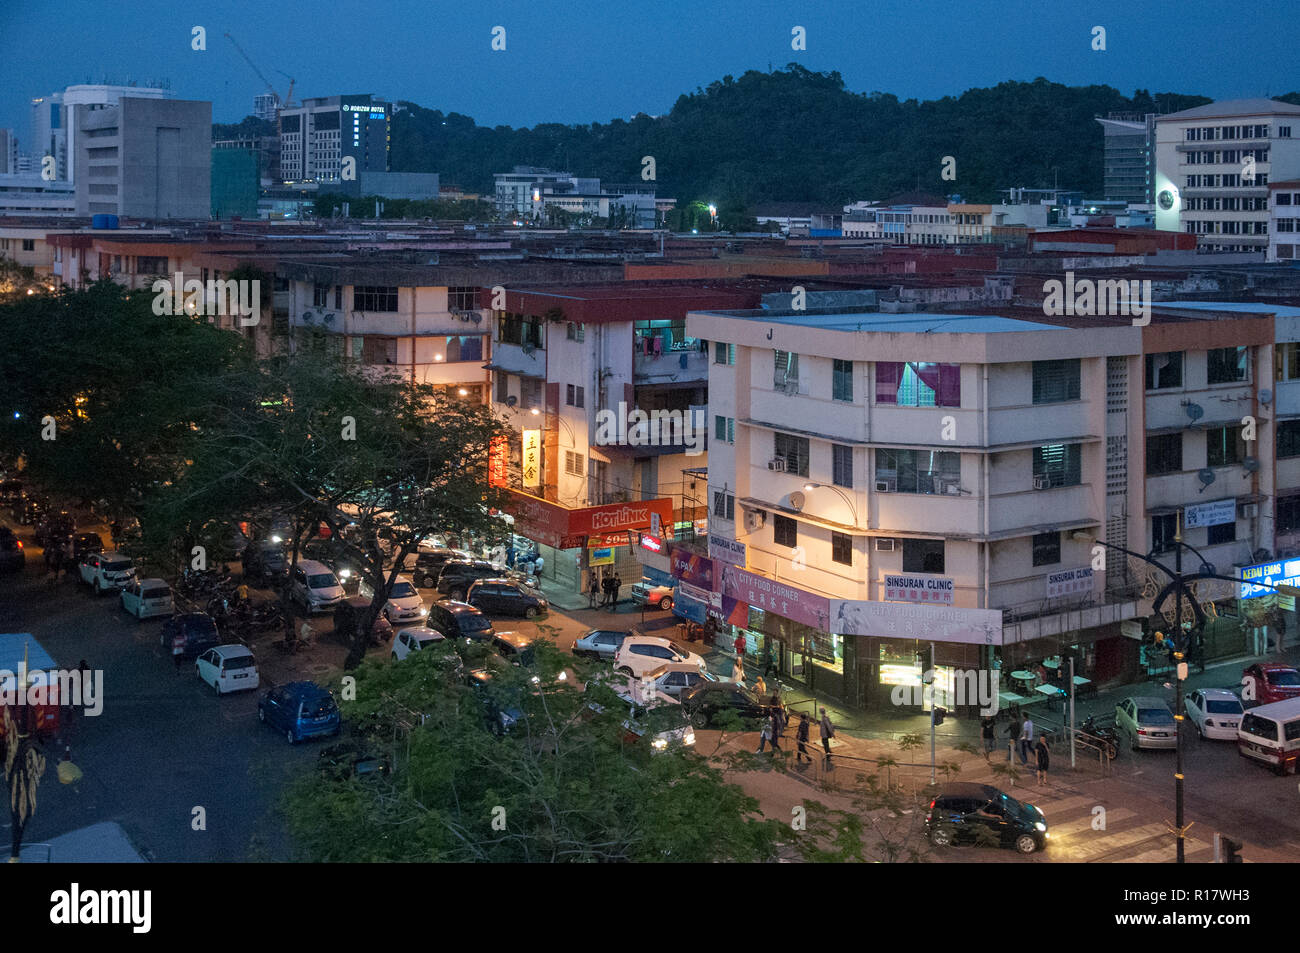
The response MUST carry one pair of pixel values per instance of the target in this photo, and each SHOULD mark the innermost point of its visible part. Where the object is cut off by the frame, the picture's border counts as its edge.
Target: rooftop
(882, 323)
(1233, 107)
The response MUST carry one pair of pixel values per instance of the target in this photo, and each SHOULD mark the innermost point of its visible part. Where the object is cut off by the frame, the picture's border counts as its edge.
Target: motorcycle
(1103, 737)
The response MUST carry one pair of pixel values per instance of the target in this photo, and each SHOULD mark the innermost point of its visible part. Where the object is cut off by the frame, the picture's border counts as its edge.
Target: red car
(1263, 683)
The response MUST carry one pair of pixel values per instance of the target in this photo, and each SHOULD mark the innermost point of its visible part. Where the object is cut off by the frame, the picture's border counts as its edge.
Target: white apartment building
(1284, 220)
(1213, 167)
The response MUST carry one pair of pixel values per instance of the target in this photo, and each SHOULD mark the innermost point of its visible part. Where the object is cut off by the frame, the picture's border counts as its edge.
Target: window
(575, 395)
(724, 429)
(842, 548)
(1047, 549)
(29, 244)
(1164, 453)
(724, 505)
(1288, 438)
(794, 450)
(573, 464)
(842, 465)
(786, 368)
(519, 330)
(320, 296)
(462, 298)
(1288, 515)
(923, 555)
(530, 392)
(374, 298)
(1164, 370)
(576, 331)
(1286, 361)
(842, 380)
(724, 353)
(379, 351)
(785, 531)
(338, 297)
(1226, 365)
(1056, 381)
(1059, 463)
(919, 471)
(918, 384)
(1224, 446)
(1223, 533)
(1162, 532)
(467, 347)
(146, 264)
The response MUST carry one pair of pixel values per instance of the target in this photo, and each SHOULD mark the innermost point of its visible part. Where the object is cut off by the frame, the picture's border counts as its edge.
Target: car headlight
(1040, 826)
(689, 739)
(423, 611)
(562, 677)
(535, 680)
(660, 743)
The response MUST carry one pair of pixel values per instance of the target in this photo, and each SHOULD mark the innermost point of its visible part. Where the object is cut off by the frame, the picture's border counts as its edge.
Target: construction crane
(280, 103)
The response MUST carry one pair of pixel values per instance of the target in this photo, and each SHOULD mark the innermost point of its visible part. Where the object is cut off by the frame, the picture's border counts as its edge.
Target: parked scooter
(1100, 737)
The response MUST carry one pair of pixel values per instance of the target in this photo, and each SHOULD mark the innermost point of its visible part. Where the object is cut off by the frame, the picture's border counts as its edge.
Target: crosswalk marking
(1107, 842)
(1080, 824)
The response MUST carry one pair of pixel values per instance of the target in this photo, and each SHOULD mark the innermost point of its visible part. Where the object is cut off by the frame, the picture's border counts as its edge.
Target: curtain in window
(889, 375)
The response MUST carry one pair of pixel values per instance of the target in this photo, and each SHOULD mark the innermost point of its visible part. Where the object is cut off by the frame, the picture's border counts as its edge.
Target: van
(1271, 734)
(314, 586)
(228, 668)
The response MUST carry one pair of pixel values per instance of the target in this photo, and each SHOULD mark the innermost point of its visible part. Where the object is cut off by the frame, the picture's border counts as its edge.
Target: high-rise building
(54, 122)
(1128, 157)
(1213, 167)
(145, 158)
(264, 107)
(317, 137)
(8, 152)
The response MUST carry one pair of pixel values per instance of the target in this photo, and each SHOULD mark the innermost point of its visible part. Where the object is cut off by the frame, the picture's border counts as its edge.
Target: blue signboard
(1277, 573)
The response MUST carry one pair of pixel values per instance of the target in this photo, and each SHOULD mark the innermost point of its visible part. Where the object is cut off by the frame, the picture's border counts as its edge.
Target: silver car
(1146, 722)
(600, 643)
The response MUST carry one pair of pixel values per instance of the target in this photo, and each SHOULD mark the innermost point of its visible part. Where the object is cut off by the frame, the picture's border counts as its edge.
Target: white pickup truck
(106, 572)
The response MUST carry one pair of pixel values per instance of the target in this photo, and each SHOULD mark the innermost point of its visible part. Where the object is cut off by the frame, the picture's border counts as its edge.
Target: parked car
(228, 668)
(347, 616)
(12, 556)
(300, 710)
(1271, 734)
(1215, 712)
(459, 620)
(503, 597)
(1147, 723)
(314, 586)
(414, 639)
(502, 706)
(647, 593)
(351, 759)
(675, 678)
(54, 527)
(85, 543)
(973, 813)
(27, 511)
(1266, 682)
(190, 634)
(425, 566)
(640, 654)
(600, 643)
(459, 574)
(106, 571)
(707, 700)
(265, 563)
(145, 598)
(404, 603)
(654, 719)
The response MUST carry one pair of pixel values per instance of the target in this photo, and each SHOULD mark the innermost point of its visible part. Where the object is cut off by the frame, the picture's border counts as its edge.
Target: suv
(265, 562)
(1147, 721)
(459, 574)
(974, 813)
(189, 635)
(106, 571)
(459, 620)
(425, 567)
(647, 593)
(301, 710)
(313, 586)
(1264, 683)
(641, 654)
(504, 596)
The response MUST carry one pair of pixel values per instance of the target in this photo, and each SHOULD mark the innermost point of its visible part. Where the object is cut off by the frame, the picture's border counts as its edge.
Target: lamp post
(1178, 584)
(809, 487)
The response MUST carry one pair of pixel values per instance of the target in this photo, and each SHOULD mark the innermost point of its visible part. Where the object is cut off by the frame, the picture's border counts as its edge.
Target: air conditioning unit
(885, 544)
(777, 464)
(952, 489)
(1248, 510)
(1042, 483)
(755, 520)
(886, 486)
(789, 388)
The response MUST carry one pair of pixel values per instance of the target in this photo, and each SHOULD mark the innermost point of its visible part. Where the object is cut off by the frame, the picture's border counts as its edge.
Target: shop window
(1164, 453)
(1047, 549)
(785, 531)
(1164, 371)
(1056, 381)
(923, 555)
(842, 548)
(1058, 464)
(1226, 365)
(1224, 446)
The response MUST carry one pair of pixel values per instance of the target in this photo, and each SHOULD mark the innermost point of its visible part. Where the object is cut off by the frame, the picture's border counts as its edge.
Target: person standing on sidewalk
(775, 728)
(760, 686)
(801, 736)
(988, 729)
(1026, 739)
(592, 586)
(827, 733)
(1043, 753)
(764, 736)
(738, 671)
(1013, 735)
(614, 590)
(739, 645)
(781, 718)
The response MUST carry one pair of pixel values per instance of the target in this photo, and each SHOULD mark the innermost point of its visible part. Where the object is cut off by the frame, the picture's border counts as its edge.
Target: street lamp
(809, 487)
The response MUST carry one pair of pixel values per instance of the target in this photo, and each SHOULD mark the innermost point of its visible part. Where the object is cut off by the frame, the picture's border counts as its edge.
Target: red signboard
(498, 456)
(652, 543)
(554, 525)
(617, 516)
(740, 589)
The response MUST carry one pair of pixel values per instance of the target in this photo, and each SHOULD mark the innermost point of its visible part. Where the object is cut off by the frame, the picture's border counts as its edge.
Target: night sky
(594, 60)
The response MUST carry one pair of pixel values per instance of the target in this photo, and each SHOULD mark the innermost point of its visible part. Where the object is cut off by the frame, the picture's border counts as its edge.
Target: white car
(658, 716)
(105, 571)
(647, 593)
(144, 598)
(1216, 713)
(404, 603)
(413, 640)
(228, 668)
(641, 654)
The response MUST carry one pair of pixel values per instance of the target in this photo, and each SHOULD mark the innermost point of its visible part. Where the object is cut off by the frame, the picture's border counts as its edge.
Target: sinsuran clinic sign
(532, 461)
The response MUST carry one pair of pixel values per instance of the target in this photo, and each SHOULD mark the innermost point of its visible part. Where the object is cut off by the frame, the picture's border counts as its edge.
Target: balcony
(676, 366)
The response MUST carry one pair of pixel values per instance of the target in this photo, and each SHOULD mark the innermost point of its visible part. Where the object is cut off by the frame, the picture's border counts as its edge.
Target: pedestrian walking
(1044, 758)
(827, 733)
(801, 736)
(988, 730)
(592, 586)
(738, 672)
(770, 663)
(615, 589)
(1026, 739)
(1013, 735)
(760, 686)
(764, 736)
(781, 719)
(739, 645)
(774, 728)
(607, 589)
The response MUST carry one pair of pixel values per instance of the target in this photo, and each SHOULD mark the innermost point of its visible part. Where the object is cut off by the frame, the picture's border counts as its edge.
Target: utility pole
(1179, 650)
(1070, 733)
(933, 684)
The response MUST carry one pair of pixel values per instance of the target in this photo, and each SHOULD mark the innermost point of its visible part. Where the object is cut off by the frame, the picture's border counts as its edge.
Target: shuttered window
(1056, 381)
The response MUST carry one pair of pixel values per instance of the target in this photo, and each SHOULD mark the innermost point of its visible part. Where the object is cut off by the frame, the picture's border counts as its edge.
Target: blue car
(300, 710)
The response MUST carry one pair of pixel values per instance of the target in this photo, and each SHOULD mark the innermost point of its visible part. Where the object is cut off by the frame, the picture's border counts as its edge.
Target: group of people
(608, 587)
(1020, 737)
(773, 731)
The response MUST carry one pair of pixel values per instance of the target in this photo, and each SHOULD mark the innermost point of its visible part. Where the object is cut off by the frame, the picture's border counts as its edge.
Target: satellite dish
(511, 400)
(1250, 464)
(1266, 397)
(1195, 411)
(796, 501)
(1206, 476)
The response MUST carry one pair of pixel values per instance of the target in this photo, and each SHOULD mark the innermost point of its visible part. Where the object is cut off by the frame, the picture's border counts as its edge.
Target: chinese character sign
(532, 468)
